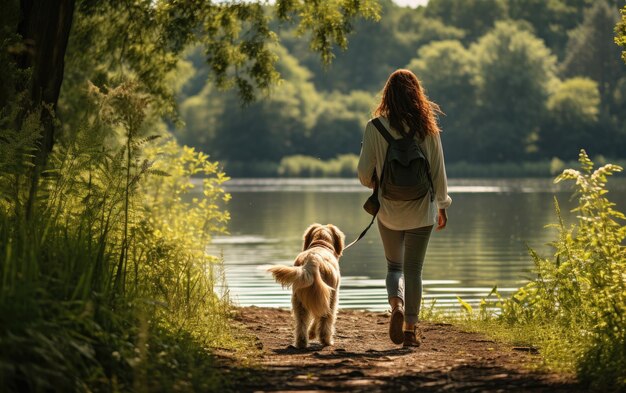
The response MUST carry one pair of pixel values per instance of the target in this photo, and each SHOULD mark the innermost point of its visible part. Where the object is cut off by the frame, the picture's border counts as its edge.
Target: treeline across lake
(522, 81)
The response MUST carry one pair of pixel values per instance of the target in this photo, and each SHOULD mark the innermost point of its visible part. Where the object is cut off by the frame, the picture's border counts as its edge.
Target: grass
(574, 311)
(107, 286)
(544, 337)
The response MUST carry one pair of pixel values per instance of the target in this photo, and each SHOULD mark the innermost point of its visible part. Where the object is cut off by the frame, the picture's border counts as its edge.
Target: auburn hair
(404, 102)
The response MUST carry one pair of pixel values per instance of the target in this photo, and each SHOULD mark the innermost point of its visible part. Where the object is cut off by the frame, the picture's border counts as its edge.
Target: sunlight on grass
(574, 310)
(108, 286)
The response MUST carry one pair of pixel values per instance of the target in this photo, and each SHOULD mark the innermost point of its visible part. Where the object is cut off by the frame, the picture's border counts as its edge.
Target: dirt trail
(364, 359)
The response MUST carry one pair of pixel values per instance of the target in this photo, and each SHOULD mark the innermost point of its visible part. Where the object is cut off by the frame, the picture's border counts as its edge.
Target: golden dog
(314, 279)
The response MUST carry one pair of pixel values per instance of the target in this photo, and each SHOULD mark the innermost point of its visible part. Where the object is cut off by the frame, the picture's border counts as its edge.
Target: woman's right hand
(442, 220)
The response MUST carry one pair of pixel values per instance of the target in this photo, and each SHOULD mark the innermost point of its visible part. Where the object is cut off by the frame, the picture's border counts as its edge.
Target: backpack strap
(383, 131)
(430, 178)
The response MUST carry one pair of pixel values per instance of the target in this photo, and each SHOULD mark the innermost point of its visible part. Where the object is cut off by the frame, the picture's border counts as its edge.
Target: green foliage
(475, 17)
(577, 302)
(306, 166)
(375, 49)
(337, 128)
(146, 38)
(344, 165)
(499, 169)
(447, 71)
(416, 30)
(512, 66)
(576, 95)
(620, 33)
(17, 148)
(181, 222)
(573, 115)
(111, 284)
(551, 20)
(293, 119)
(496, 78)
(591, 51)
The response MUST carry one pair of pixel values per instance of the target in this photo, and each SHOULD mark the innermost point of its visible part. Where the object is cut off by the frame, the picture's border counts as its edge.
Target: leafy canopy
(145, 38)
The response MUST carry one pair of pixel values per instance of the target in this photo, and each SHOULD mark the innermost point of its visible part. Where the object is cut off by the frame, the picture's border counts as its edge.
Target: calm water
(490, 223)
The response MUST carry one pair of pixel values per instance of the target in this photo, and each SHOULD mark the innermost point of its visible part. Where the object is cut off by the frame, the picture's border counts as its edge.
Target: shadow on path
(449, 360)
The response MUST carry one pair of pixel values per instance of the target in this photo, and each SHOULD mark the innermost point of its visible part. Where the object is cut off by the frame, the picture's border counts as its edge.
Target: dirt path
(364, 359)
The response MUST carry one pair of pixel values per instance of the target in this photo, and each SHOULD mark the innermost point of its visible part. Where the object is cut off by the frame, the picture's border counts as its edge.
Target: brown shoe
(395, 325)
(412, 338)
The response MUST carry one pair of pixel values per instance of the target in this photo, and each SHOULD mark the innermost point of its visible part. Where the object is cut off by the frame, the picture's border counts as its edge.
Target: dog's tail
(314, 294)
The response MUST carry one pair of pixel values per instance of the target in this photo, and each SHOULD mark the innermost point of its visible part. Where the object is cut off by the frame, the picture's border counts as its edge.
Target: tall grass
(575, 308)
(109, 282)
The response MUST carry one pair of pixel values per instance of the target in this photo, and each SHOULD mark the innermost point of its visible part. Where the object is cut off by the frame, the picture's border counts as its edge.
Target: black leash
(361, 235)
(371, 206)
(374, 204)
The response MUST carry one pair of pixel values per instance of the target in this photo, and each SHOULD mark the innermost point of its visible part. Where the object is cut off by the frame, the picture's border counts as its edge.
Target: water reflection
(491, 223)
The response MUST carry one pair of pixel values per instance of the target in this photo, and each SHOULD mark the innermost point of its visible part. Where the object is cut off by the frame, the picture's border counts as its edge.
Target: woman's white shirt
(403, 215)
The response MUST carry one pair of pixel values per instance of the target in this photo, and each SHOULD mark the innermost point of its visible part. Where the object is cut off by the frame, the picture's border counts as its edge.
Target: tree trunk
(45, 28)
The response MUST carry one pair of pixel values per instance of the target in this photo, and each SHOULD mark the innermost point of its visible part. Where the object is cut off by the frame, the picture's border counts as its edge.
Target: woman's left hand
(442, 220)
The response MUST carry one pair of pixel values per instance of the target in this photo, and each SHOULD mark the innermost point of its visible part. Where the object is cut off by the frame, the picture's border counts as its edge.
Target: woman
(405, 226)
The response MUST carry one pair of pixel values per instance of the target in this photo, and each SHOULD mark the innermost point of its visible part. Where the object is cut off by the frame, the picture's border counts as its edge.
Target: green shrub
(343, 165)
(575, 308)
(108, 282)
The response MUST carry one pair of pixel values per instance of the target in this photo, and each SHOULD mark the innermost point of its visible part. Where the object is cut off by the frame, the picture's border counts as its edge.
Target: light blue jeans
(405, 252)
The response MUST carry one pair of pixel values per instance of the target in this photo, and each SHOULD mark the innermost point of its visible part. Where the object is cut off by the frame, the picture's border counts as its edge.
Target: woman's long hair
(404, 102)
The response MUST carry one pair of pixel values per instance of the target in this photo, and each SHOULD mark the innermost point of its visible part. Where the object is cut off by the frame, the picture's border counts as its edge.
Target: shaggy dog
(314, 279)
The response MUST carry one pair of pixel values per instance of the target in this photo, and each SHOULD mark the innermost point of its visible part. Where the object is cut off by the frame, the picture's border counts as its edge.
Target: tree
(572, 119)
(475, 17)
(551, 19)
(514, 75)
(144, 39)
(376, 49)
(293, 119)
(417, 30)
(339, 125)
(44, 28)
(362, 64)
(271, 128)
(446, 70)
(200, 114)
(620, 33)
(590, 50)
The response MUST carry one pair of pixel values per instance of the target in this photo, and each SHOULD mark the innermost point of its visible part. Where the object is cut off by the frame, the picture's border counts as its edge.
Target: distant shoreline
(344, 166)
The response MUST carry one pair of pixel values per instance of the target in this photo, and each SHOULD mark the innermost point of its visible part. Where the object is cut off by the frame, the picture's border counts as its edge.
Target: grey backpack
(406, 172)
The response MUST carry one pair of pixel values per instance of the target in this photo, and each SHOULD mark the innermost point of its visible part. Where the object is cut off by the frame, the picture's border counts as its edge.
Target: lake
(491, 222)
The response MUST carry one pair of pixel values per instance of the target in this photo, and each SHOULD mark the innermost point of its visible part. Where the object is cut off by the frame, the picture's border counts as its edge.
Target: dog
(314, 279)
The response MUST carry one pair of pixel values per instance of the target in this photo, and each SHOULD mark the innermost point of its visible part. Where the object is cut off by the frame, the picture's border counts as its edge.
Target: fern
(17, 150)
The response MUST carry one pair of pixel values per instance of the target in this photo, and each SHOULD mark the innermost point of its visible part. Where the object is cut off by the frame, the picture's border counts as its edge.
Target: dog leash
(362, 234)
(373, 211)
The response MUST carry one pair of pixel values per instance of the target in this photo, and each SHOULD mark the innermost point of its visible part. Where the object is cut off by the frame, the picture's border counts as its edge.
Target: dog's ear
(308, 235)
(338, 239)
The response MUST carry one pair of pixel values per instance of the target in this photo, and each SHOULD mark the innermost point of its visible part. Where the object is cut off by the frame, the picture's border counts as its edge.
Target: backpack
(406, 172)
(405, 177)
